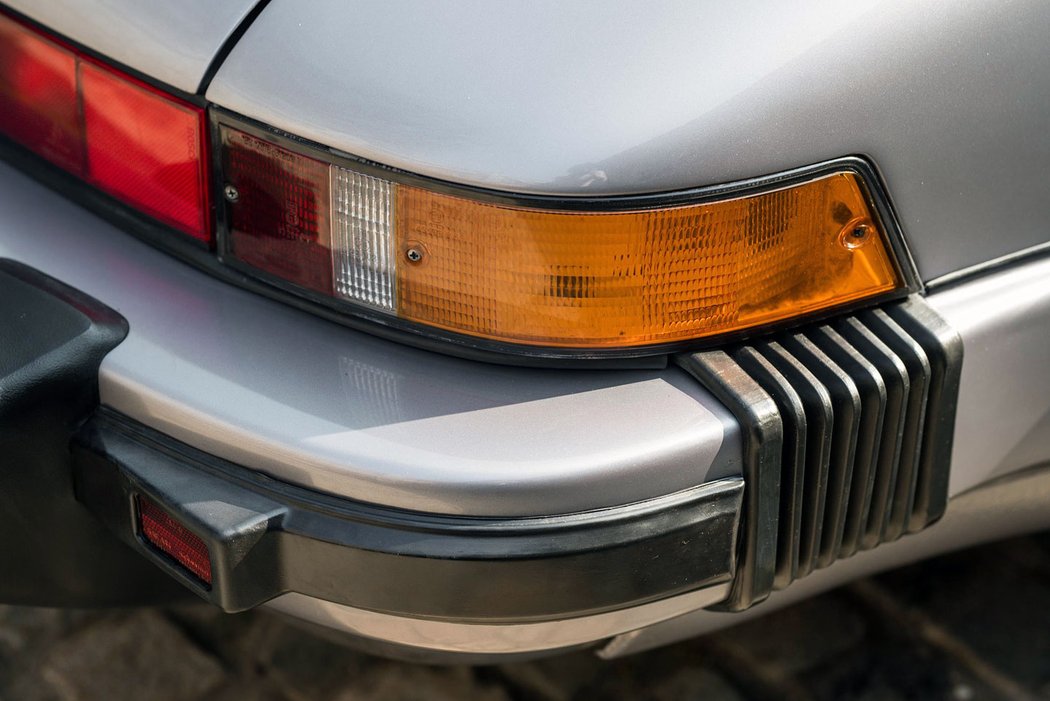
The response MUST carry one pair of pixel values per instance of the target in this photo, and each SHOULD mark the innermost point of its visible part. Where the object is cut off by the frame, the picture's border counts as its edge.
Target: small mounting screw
(414, 255)
(855, 235)
(231, 194)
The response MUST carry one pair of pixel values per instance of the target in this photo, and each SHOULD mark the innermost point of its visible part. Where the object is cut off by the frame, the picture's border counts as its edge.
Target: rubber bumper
(265, 538)
(52, 340)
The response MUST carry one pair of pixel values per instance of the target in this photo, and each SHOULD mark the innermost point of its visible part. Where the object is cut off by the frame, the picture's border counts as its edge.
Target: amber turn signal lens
(621, 279)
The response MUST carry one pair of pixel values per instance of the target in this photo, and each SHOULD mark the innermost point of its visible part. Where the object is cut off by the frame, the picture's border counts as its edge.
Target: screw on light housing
(231, 193)
(856, 233)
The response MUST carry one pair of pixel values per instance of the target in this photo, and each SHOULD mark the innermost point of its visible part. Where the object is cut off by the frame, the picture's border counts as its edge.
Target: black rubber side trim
(894, 379)
(820, 421)
(763, 441)
(872, 391)
(52, 552)
(918, 366)
(943, 346)
(792, 480)
(845, 403)
(266, 538)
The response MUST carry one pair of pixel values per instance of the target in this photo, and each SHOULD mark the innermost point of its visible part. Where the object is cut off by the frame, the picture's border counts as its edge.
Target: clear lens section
(363, 239)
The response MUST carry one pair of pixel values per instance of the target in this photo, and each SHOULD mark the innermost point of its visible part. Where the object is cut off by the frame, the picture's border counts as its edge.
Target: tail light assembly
(450, 267)
(630, 275)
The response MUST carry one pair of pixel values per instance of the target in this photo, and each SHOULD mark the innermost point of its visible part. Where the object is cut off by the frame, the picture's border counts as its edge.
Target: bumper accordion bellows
(848, 436)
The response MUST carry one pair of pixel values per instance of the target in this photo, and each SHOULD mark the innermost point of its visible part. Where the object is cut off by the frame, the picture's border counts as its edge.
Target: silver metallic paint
(250, 378)
(950, 99)
(1003, 421)
(173, 42)
(317, 404)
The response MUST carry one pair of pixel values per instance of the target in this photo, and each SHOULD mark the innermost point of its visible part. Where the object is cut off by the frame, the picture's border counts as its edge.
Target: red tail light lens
(137, 143)
(173, 539)
(280, 224)
(38, 96)
(144, 148)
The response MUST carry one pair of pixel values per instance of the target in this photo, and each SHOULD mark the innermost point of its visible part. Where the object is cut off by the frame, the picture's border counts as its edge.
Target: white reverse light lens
(363, 239)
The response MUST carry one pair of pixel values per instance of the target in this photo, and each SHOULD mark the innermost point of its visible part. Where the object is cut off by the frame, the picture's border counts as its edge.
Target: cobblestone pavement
(974, 625)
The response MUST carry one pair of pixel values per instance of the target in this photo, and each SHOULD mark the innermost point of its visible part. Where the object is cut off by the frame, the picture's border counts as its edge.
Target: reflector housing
(522, 275)
(139, 144)
(170, 537)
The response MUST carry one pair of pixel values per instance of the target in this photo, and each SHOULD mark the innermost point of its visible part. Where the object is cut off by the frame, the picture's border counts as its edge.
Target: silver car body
(950, 101)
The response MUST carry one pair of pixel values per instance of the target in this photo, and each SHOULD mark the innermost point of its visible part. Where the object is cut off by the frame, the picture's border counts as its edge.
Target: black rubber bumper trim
(759, 418)
(52, 552)
(266, 538)
(872, 398)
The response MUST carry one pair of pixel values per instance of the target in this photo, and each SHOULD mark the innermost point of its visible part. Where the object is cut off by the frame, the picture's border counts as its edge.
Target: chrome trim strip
(493, 638)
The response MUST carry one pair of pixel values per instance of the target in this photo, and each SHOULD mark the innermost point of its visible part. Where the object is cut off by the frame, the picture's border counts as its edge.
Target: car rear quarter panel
(950, 100)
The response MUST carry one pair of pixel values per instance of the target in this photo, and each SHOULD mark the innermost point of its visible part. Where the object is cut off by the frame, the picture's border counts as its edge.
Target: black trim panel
(874, 398)
(820, 420)
(267, 538)
(793, 417)
(52, 552)
(943, 346)
(763, 433)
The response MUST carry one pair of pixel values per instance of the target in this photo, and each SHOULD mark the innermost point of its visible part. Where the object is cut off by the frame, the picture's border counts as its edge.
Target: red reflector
(38, 96)
(280, 222)
(144, 147)
(173, 539)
